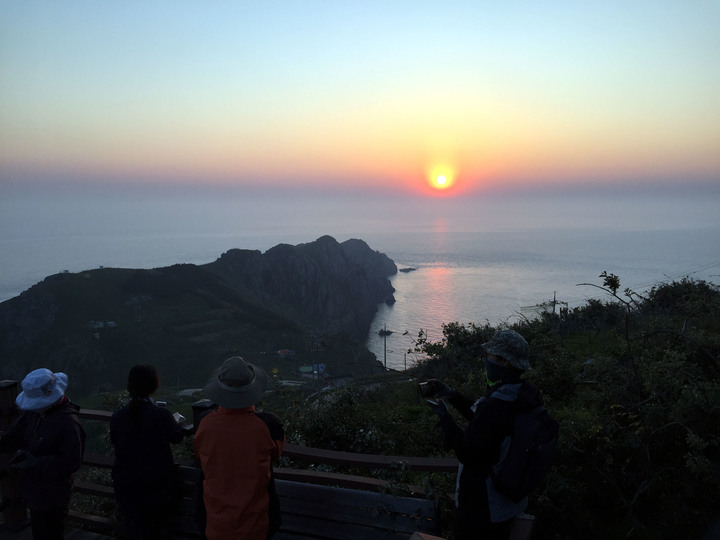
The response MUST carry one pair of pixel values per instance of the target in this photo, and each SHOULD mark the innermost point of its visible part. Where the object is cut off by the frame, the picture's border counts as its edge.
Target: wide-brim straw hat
(236, 384)
(41, 388)
(511, 346)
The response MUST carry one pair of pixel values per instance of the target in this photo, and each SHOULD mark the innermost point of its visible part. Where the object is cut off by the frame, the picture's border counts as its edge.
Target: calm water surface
(476, 261)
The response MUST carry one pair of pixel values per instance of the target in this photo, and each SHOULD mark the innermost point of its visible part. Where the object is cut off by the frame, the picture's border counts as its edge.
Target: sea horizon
(477, 261)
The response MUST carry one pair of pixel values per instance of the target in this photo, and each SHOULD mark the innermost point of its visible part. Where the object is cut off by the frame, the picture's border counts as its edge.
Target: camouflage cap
(511, 346)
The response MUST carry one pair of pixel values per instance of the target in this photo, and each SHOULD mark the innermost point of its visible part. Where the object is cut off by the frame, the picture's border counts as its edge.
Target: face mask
(496, 373)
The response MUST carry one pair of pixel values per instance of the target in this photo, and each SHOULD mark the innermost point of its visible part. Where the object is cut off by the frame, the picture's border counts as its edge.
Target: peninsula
(307, 303)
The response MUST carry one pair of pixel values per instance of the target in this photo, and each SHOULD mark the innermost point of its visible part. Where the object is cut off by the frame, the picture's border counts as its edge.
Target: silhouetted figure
(143, 470)
(235, 446)
(483, 512)
(49, 441)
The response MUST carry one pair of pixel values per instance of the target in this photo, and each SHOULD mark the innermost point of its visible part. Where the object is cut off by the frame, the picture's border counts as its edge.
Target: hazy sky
(360, 94)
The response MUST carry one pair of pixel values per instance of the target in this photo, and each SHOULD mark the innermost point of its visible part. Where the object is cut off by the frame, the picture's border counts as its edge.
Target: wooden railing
(8, 391)
(424, 514)
(334, 457)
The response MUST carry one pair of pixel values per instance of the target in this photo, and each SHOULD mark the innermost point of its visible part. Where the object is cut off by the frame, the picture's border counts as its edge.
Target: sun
(441, 177)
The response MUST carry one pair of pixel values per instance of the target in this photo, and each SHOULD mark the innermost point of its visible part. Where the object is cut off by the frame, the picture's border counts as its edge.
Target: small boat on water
(384, 332)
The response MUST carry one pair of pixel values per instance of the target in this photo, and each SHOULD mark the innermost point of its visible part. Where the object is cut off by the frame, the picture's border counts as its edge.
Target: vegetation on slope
(633, 381)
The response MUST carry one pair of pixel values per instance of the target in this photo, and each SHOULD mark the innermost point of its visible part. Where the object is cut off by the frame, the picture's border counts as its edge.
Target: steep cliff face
(186, 318)
(332, 287)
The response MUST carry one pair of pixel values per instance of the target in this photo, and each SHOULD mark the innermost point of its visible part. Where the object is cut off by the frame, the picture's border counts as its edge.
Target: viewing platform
(314, 504)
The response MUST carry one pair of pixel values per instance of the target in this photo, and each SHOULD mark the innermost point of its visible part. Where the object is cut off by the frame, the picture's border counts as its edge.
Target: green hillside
(186, 319)
(633, 381)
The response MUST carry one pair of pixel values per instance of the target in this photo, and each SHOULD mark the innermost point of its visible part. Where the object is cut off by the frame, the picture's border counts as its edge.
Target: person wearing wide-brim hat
(236, 384)
(49, 441)
(235, 446)
(483, 512)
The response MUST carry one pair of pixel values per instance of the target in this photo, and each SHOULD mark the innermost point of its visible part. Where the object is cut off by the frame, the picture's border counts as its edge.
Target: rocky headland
(316, 300)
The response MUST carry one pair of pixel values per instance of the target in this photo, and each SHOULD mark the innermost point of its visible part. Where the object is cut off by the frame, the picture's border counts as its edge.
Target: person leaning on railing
(236, 446)
(142, 432)
(49, 442)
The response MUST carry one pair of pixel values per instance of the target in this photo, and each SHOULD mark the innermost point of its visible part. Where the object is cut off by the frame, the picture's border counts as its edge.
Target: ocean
(483, 260)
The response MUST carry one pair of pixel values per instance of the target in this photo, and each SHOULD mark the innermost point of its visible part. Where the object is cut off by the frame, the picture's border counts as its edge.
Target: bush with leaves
(635, 383)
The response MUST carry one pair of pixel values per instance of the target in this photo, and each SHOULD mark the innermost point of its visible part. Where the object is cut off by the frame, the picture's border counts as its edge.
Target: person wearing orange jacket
(236, 446)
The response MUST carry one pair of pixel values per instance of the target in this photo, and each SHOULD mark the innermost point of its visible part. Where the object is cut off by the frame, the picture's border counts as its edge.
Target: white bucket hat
(41, 388)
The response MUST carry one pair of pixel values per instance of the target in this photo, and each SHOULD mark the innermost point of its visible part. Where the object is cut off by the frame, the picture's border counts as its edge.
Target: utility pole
(385, 344)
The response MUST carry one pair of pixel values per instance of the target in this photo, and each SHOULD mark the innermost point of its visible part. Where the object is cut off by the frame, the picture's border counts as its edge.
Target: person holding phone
(142, 432)
(483, 513)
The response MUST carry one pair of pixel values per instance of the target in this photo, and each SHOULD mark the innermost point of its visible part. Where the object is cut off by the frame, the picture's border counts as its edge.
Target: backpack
(533, 442)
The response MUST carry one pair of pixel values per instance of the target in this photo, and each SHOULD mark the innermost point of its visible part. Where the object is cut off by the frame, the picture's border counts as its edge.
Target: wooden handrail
(92, 414)
(319, 455)
(295, 476)
(369, 461)
(101, 461)
(344, 480)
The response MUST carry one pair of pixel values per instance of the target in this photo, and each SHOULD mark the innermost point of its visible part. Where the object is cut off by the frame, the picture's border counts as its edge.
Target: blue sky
(361, 95)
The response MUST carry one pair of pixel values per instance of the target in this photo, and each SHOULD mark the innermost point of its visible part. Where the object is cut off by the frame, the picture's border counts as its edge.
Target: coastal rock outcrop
(333, 287)
(317, 299)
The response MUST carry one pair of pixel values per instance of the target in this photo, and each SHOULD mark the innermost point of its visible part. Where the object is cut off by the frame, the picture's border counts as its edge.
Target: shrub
(634, 384)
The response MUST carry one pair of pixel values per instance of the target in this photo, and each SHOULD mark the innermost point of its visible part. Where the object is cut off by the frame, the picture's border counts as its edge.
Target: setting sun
(441, 177)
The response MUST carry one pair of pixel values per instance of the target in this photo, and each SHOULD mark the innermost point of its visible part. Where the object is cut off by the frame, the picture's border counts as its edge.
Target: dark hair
(143, 380)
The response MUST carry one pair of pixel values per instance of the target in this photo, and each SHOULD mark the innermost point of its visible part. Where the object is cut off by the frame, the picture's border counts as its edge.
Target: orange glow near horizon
(441, 177)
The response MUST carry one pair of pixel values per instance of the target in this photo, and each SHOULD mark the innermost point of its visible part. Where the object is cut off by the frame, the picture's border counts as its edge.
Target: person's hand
(440, 389)
(438, 407)
(23, 460)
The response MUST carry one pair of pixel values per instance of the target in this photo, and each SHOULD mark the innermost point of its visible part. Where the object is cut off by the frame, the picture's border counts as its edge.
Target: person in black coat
(49, 441)
(141, 432)
(482, 512)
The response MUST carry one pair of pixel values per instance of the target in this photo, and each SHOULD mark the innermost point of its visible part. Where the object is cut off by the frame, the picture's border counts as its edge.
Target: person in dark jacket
(482, 512)
(143, 470)
(49, 441)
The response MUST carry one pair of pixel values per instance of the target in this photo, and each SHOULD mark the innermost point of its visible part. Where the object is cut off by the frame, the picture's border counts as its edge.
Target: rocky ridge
(186, 318)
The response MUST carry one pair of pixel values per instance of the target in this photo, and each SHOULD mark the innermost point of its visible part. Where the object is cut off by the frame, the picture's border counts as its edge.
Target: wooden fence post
(14, 511)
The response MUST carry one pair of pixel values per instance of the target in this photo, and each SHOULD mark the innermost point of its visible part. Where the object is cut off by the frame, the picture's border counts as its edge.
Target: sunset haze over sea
(361, 96)
(507, 150)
